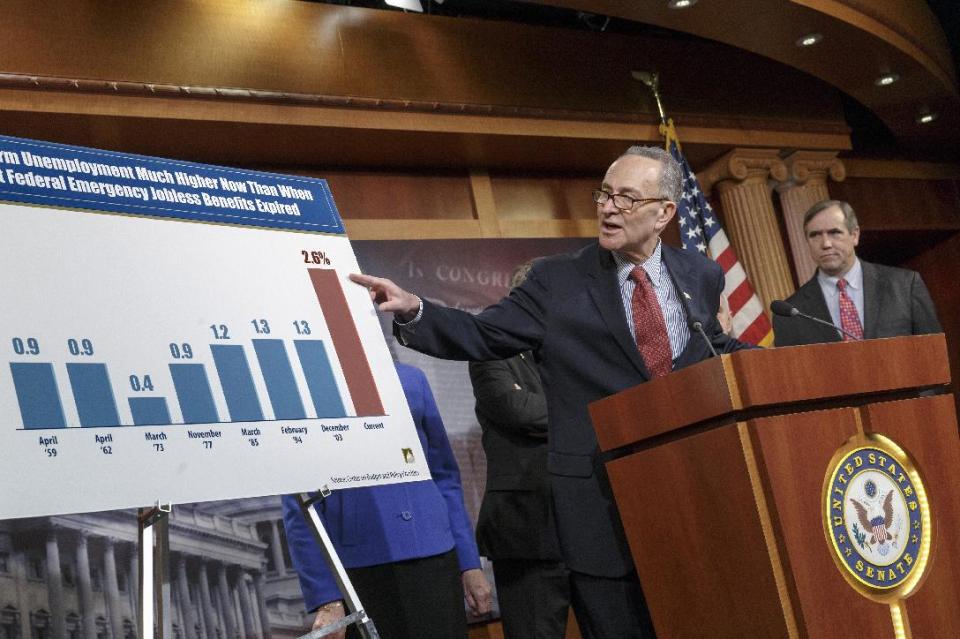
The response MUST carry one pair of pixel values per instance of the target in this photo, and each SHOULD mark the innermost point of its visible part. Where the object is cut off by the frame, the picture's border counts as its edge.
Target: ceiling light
(406, 5)
(681, 4)
(809, 40)
(927, 118)
(886, 79)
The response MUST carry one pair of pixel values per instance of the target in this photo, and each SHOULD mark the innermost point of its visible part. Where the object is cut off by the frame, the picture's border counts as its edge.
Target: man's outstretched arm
(513, 325)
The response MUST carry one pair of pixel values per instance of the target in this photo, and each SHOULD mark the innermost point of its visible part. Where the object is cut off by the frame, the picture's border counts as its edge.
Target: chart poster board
(183, 332)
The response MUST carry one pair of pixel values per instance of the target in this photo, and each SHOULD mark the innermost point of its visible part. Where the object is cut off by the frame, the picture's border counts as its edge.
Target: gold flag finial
(669, 133)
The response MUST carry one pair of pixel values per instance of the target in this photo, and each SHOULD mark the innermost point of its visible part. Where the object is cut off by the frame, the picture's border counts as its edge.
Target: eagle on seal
(877, 521)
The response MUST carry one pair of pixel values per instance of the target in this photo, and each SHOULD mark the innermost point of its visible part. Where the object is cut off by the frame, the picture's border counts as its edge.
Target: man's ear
(666, 213)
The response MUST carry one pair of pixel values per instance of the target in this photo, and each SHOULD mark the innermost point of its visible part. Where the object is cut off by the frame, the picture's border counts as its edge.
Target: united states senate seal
(876, 517)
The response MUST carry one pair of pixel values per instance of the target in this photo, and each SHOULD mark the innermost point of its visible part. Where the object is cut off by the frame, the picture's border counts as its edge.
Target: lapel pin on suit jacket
(687, 295)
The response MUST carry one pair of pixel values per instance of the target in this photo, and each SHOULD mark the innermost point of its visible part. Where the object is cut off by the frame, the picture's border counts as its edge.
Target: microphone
(697, 326)
(781, 308)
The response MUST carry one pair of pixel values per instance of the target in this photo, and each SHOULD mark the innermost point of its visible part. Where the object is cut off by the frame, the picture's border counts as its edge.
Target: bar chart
(41, 403)
(234, 368)
(171, 360)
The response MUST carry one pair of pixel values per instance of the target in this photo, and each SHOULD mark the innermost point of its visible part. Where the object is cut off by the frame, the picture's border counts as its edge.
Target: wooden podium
(719, 471)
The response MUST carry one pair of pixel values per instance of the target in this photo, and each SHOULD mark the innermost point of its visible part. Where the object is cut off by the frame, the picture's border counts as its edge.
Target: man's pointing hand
(389, 297)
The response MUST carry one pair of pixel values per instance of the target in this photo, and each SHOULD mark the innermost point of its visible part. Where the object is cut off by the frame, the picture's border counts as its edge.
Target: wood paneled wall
(405, 205)
(902, 203)
(372, 196)
(939, 266)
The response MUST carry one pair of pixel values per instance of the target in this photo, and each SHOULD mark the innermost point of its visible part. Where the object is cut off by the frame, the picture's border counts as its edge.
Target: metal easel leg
(154, 547)
(357, 615)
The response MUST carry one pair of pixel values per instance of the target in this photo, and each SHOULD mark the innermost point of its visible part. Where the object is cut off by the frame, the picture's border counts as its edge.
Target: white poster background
(133, 286)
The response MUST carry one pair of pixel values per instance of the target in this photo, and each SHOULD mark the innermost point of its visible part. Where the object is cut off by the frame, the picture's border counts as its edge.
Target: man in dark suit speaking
(866, 300)
(608, 317)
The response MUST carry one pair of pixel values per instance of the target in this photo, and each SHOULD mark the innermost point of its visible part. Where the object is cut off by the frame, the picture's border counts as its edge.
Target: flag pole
(652, 81)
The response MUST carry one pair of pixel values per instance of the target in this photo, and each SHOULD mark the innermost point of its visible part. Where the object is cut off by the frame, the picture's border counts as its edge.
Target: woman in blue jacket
(408, 548)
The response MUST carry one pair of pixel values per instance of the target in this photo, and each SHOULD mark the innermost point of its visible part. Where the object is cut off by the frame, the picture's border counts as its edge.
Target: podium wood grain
(696, 539)
(765, 378)
(794, 452)
(718, 471)
(927, 428)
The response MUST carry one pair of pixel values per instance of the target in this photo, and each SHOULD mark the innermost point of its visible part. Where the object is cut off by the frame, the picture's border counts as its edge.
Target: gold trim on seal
(909, 466)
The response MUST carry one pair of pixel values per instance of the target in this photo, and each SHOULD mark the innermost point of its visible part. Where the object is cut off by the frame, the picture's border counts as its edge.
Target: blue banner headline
(52, 174)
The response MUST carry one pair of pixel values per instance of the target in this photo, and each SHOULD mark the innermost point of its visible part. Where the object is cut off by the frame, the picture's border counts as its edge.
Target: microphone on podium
(697, 325)
(781, 308)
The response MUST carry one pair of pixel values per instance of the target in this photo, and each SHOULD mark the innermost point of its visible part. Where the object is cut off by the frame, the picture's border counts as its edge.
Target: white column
(209, 609)
(276, 547)
(250, 629)
(112, 589)
(58, 619)
(187, 610)
(23, 603)
(262, 605)
(86, 587)
(226, 602)
(133, 581)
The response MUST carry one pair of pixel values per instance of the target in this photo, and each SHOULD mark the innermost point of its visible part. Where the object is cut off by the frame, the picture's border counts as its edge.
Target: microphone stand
(698, 326)
(831, 325)
(785, 310)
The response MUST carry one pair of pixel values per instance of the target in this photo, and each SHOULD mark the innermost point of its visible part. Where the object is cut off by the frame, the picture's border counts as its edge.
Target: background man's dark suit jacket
(570, 314)
(516, 516)
(895, 302)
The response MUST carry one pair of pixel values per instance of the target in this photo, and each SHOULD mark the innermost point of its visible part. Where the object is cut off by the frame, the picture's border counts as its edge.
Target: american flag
(700, 232)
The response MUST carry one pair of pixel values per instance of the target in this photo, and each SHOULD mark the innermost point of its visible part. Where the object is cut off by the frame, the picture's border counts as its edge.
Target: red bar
(346, 342)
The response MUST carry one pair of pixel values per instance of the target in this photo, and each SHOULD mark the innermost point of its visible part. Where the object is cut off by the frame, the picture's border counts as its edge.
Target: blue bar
(194, 394)
(237, 383)
(281, 384)
(320, 380)
(93, 394)
(37, 394)
(149, 411)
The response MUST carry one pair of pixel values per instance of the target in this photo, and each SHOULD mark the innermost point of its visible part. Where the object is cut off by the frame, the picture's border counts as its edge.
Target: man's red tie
(849, 320)
(649, 327)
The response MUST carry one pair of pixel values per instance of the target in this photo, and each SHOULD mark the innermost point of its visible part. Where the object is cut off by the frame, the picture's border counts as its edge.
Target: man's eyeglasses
(623, 202)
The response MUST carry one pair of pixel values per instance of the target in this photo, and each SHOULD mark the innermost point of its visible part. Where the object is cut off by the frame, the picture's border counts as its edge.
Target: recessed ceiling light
(886, 79)
(406, 5)
(681, 4)
(927, 118)
(809, 40)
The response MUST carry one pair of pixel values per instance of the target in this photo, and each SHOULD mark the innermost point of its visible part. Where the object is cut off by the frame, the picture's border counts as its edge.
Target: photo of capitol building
(76, 576)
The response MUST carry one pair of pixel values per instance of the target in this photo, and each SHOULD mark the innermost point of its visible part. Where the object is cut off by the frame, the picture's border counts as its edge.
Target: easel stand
(364, 623)
(154, 544)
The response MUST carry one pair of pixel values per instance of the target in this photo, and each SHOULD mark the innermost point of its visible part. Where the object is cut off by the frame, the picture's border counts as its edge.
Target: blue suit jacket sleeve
(316, 581)
(443, 464)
